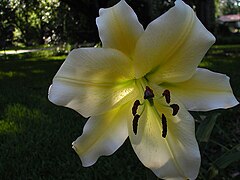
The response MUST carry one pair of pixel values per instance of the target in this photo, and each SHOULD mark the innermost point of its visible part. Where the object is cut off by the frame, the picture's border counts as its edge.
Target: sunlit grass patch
(206, 64)
(225, 51)
(37, 71)
(62, 57)
(33, 54)
(19, 112)
(11, 74)
(8, 126)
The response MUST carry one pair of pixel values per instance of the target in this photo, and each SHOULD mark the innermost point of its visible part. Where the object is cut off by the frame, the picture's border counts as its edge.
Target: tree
(33, 18)
(205, 10)
(44, 21)
(7, 16)
(147, 10)
(80, 19)
(230, 6)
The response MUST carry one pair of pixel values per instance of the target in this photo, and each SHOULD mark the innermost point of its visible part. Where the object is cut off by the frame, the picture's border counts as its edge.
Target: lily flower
(140, 85)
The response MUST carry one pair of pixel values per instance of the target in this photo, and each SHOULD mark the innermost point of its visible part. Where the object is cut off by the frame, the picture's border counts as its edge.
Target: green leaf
(224, 161)
(205, 128)
(228, 158)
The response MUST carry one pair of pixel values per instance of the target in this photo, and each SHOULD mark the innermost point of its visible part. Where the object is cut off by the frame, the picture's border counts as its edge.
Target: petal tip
(51, 96)
(85, 162)
(73, 146)
(211, 38)
(49, 92)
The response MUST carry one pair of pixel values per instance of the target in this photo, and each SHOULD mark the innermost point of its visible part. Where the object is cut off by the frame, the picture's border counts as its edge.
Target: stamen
(175, 108)
(164, 126)
(166, 94)
(135, 107)
(135, 123)
(148, 93)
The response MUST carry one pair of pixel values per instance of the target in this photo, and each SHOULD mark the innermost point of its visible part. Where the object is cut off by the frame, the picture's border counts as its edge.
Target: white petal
(103, 135)
(92, 81)
(172, 46)
(176, 156)
(119, 27)
(206, 90)
(96, 65)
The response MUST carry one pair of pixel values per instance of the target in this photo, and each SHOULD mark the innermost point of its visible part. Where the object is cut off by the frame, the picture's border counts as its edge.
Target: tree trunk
(205, 10)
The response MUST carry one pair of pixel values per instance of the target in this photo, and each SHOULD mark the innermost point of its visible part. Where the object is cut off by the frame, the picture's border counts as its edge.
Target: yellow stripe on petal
(119, 27)
(93, 80)
(96, 65)
(172, 46)
(91, 100)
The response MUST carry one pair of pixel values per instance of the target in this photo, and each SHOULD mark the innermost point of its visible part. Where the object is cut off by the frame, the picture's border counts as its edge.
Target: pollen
(175, 109)
(164, 126)
(135, 123)
(136, 116)
(166, 94)
(135, 107)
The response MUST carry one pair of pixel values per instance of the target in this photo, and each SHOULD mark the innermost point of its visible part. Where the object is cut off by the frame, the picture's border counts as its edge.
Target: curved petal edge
(205, 91)
(119, 27)
(102, 135)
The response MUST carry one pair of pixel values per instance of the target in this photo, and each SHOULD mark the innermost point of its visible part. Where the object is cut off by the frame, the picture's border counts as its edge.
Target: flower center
(149, 96)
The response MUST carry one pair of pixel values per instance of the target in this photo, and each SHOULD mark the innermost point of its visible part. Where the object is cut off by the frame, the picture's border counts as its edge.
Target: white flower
(141, 84)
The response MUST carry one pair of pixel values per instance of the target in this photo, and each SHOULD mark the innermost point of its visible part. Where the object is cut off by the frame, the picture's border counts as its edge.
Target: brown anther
(166, 94)
(175, 108)
(164, 126)
(135, 123)
(135, 107)
(148, 93)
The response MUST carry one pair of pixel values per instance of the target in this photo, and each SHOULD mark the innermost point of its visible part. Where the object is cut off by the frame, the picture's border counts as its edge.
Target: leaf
(228, 158)
(197, 116)
(205, 128)
(224, 161)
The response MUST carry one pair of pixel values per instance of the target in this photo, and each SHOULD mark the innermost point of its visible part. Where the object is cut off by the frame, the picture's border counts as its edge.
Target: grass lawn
(36, 136)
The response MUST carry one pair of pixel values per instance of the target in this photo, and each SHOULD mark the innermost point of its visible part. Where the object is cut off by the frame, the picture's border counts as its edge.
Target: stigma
(148, 94)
